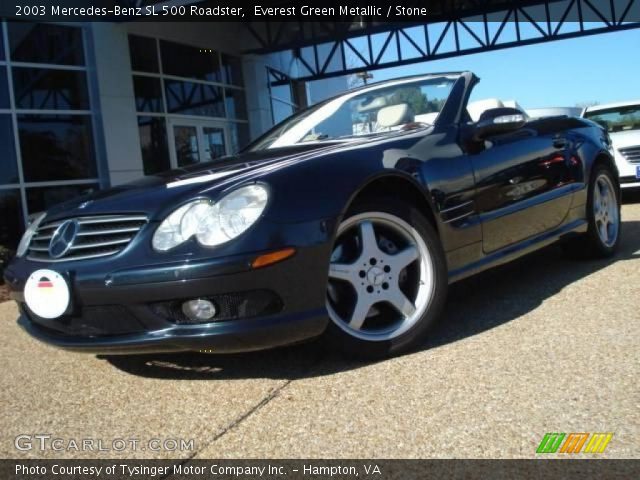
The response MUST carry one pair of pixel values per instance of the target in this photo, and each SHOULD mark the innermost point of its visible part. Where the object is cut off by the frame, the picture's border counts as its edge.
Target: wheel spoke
(360, 312)
(604, 234)
(342, 271)
(404, 258)
(368, 238)
(400, 301)
(596, 196)
(372, 251)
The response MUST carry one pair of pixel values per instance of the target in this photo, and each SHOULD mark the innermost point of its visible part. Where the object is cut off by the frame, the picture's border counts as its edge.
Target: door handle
(560, 142)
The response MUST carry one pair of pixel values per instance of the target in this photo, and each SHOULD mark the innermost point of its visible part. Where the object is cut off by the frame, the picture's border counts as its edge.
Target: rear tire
(603, 214)
(387, 280)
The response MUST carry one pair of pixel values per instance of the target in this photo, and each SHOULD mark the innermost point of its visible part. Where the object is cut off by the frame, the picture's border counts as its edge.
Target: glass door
(195, 141)
(213, 142)
(186, 145)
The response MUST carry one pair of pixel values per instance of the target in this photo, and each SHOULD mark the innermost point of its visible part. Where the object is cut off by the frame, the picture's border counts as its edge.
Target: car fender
(325, 187)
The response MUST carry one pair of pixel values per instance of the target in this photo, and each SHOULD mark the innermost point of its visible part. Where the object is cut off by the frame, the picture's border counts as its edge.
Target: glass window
(4, 89)
(194, 98)
(45, 43)
(11, 226)
(48, 89)
(617, 119)
(232, 67)
(56, 147)
(282, 105)
(144, 55)
(282, 93)
(9, 169)
(414, 105)
(40, 199)
(153, 142)
(148, 94)
(239, 136)
(191, 62)
(280, 110)
(236, 105)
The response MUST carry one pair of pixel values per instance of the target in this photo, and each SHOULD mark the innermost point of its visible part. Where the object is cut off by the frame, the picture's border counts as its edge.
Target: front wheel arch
(397, 186)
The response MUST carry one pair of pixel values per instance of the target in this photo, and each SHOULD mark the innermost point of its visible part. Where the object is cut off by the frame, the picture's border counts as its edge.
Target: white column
(254, 71)
(116, 102)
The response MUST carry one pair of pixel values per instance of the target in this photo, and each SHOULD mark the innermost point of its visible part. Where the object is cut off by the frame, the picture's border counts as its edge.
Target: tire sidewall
(598, 244)
(353, 346)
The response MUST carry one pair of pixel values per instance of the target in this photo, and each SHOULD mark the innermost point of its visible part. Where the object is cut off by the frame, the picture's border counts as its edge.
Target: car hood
(152, 194)
(628, 138)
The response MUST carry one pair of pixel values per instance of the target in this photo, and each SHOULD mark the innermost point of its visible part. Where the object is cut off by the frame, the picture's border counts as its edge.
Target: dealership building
(90, 105)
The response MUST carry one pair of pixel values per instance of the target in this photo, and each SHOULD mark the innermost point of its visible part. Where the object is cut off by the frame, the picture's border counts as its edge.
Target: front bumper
(136, 310)
(242, 336)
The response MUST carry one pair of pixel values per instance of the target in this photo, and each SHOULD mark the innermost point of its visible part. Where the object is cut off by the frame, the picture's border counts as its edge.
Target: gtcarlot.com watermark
(43, 442)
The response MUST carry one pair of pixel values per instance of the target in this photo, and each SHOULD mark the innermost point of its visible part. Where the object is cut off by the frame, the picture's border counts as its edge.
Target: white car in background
(554, 112)
(622, 121)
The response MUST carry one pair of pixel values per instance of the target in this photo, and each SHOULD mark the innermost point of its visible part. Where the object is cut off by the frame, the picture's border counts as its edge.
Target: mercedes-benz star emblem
(375, 276)
(63, 238)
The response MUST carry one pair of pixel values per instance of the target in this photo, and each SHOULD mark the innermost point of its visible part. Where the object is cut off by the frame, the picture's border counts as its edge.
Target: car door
(524, 181)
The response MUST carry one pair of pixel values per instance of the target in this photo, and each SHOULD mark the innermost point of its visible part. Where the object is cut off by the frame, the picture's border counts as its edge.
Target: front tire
(387, 280)
(603, 214)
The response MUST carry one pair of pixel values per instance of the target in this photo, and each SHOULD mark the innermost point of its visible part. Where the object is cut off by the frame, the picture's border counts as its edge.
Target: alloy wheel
(381, 277)
(605, 210)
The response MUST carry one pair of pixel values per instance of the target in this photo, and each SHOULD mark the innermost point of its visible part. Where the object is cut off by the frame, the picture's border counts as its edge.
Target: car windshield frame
(620, 112)
(297, 129)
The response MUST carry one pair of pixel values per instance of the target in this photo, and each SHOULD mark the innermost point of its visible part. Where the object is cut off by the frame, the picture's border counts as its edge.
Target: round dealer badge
(46, 293)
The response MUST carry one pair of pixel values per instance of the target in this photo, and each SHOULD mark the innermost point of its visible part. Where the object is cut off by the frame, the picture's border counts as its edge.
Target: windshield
(405, 104)
(617, 119)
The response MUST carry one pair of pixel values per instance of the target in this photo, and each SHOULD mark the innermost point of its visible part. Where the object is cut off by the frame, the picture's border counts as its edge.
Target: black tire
(338, 338)
(591, 243)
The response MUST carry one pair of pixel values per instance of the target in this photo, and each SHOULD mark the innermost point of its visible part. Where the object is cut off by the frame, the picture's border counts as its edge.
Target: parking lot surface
(546, 344)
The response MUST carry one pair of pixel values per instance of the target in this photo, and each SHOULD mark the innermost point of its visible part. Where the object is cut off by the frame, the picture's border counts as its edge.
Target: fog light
(199, 309)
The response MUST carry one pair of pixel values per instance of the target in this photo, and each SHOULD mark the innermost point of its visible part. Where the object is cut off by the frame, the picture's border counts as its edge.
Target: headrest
(372, 103)
(394, 115)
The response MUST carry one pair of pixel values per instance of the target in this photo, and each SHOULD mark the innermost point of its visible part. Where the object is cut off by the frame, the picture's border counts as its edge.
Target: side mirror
(498, 120)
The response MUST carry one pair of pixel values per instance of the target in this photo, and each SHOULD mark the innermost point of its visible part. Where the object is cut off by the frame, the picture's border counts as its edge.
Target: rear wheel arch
(604, 159)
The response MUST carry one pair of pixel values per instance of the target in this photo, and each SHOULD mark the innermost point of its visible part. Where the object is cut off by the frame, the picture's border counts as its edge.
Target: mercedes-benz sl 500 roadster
(347, 221)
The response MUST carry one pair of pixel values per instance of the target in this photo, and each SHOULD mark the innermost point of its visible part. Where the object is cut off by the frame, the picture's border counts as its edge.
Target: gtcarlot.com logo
(574, 442)
(44, 442)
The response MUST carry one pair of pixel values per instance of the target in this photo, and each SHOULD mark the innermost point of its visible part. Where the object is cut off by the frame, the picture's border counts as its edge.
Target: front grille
(95, 237)
(628, 179)
(631, 154)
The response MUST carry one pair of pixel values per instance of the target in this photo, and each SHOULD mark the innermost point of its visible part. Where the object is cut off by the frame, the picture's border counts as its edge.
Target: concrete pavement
(545, 344)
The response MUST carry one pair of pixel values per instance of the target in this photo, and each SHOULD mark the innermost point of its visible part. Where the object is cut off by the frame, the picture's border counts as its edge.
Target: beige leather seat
(394, 115)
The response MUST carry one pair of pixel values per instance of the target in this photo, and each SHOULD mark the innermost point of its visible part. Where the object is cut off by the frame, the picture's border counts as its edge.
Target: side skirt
(512, 252)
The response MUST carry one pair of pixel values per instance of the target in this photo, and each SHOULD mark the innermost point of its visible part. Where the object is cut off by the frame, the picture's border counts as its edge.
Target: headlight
(23, 246)
(212, 223)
